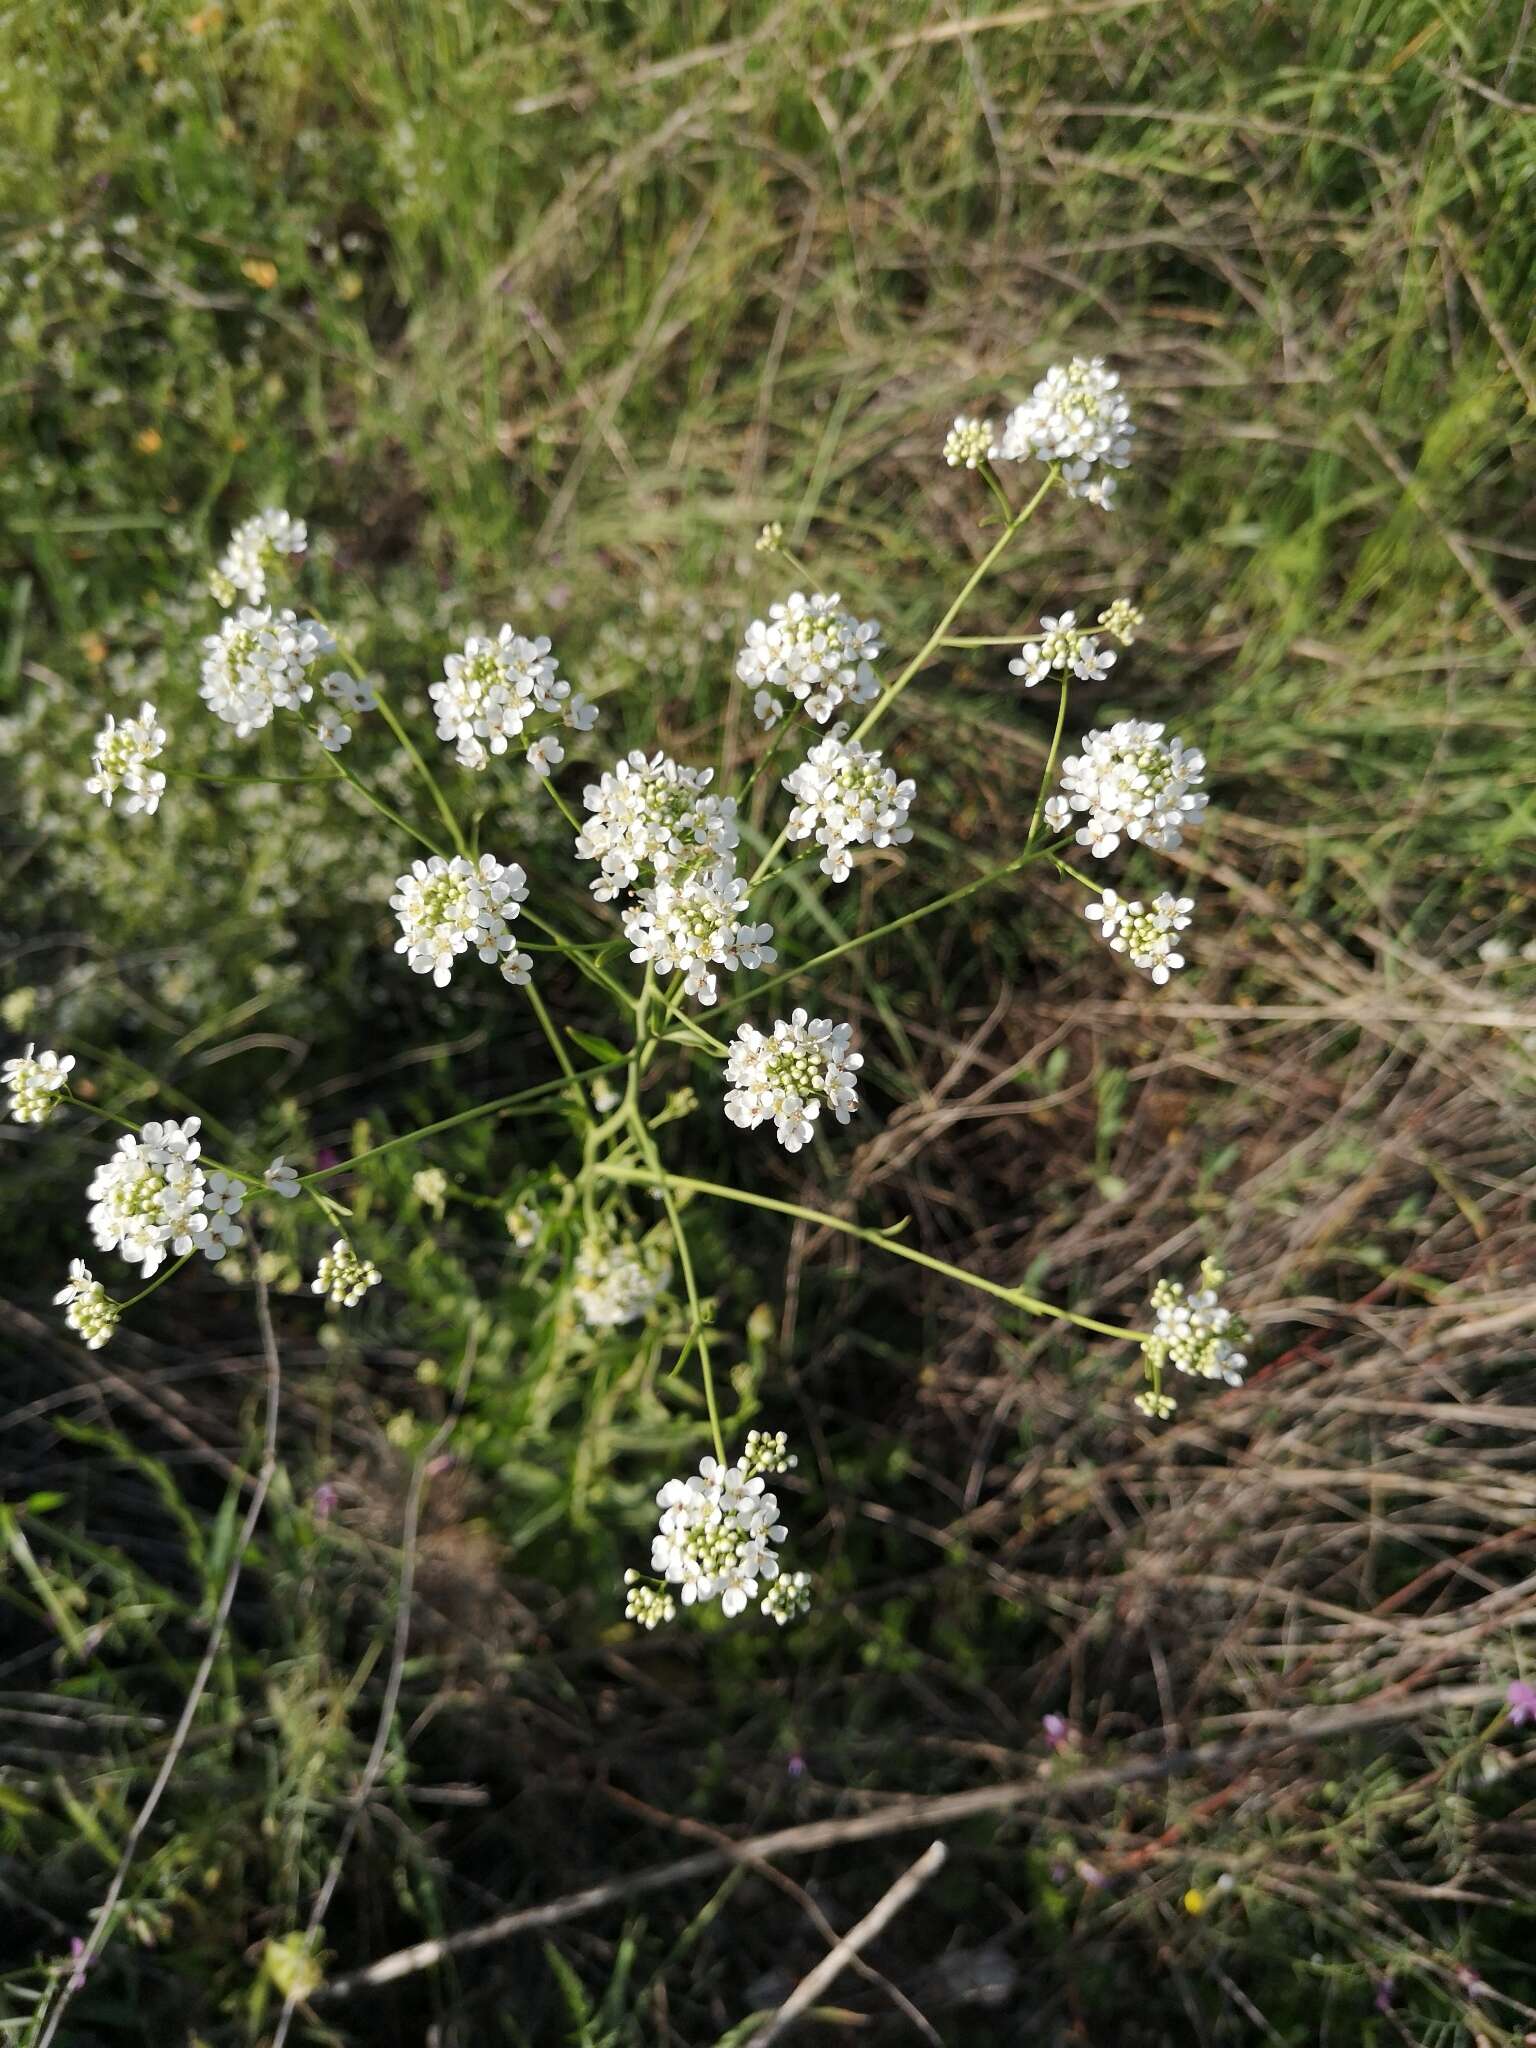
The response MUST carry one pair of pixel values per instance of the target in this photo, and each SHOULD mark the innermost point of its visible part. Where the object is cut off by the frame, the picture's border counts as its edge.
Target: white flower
(1120, 620)
(36, 1080)
(617, 1283)
(1076, 416)
(448, 907)
(694, 925)
(651, 815)
(282, 1179)
(1194, 1333)
(1131, 780)
(788, 1597)
(790, 1077)
(255, 548)
(331, 729)
(771, 539)
(846, 798)
(524, 1225)
(647, 1604)
(92, 1312)
(352, 693)
(816, 651)
(715, 1539)
(152, 1197)
(492, 688)
(968, 443)
(545, 754)
(259, 662)
(120, 759)
(343, 1276)
(1145, 936)
(1157, 1407)
(1058, 813)
(1062, 648)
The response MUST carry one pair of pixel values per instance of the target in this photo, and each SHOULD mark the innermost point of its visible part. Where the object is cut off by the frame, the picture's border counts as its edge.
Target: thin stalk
(1014, 1296)
(1050, 763)
(340, 768)
(444, 808)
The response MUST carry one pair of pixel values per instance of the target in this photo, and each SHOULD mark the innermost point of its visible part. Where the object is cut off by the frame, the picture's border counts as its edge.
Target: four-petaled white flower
(449, 907)
(715, 1540)
(1130, 781)
(36, 1080)
(804, 1067)
(1145, 936)
(152, 1197)
(1076, 416)
(89, 1310)
(847, 798)
(120, 758)
(260, 662)
(650, 817)
(282, 1179)
(695, 924)
(816, 651)
(1061, 647)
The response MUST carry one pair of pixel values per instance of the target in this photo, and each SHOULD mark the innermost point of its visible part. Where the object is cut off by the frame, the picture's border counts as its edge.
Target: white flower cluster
(1194, 1334)
(788, 1597)
(694, 925)
(89, 1310)
(349, 695)
(1063, 647)
(656, 831)
(1145, 936)
(151, 1196)
(343, 1277)
(653, 817)
(492, 689)
(968, 443)
(449, 907)
(811, 647)
(258, 663)
(715, 1538)
(255, 548)
(846, 798)
(618, 1283)
(120, 758)
(790, 1077)
(1130, 781)
(1076, 416)
(36, 1080)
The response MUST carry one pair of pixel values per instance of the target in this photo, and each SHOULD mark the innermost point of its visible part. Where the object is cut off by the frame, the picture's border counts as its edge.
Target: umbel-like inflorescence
(120, 758)
(36, 1080)
(695, 924)
(1076, 416)
(260, 662)
(449, 907)
(1063, 647)
(1194, 1334)
(716, 1538)
(88, 1308)
(256, 549)
(845, 797)
(493, 689)
(651, 818)
(803, 1068)
(152, 1196)
(618, 1282)
(814, 650)
(1132, 782)
(343, 1277)
(969, 442)
(1145, 936)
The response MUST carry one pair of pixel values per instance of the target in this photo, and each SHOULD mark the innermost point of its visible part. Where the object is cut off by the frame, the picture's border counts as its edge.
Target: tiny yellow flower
(1194, 1901)
(260, 272)
(94, 648)
(148, 442)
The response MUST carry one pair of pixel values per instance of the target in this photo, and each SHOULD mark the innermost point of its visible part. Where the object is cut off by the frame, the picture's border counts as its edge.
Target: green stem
(1014, 1296)
(1050, 763)
(444, 808)
(159, 1280)
(340, 768)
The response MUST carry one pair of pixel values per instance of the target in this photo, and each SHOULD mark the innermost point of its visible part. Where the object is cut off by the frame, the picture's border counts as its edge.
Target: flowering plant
(674, 896)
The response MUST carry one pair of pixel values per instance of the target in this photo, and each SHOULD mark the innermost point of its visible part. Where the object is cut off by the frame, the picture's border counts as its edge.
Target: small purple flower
(76, 1951)
(1058, 1732)
(323, 1501)
(1386, 1990)
(1470, 1981)
(1521, 1700)
(1091, 1874)
(327, 1156)
(440, 1465)
(796, 1765)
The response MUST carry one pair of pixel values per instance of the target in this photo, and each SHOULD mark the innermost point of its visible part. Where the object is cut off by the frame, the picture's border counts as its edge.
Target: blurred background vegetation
(538, 312)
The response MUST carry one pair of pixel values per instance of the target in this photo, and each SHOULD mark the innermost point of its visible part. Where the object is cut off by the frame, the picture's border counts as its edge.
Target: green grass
(540, 313)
